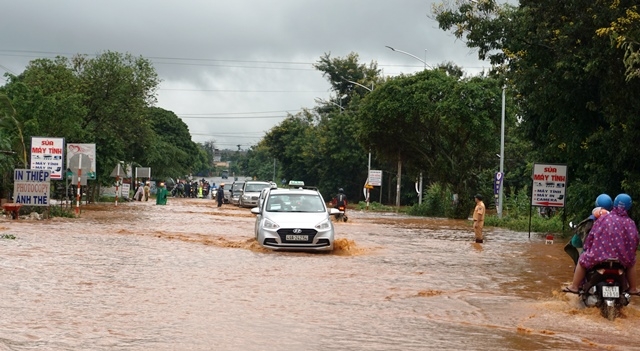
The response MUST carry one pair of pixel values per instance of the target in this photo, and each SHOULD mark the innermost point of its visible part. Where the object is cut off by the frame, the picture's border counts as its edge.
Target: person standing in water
(478, 218)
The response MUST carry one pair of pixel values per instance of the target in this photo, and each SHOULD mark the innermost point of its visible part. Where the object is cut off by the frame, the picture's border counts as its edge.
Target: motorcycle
(604, 287)
(342, 215)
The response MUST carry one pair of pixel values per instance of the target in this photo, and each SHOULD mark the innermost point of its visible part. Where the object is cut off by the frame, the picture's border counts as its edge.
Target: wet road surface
(190, 276)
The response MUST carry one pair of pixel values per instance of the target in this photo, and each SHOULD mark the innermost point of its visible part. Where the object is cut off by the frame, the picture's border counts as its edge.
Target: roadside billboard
(31, 187)
(87, 149)
(375, 177)
(549, 185)
(47, 154)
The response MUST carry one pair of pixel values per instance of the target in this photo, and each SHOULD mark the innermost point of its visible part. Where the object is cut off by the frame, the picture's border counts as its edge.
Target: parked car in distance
(251, 192)
(294, 219)
(235, 192)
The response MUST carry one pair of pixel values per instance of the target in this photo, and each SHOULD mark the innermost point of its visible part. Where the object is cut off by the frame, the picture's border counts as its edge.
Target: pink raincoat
(614, 235)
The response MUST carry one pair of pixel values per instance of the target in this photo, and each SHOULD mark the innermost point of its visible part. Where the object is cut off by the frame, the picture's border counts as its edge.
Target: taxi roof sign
(296, 183)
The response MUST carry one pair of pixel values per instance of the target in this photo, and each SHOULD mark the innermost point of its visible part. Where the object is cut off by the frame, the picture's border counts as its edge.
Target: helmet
(341, 190)
(623, 200)
(604, 201)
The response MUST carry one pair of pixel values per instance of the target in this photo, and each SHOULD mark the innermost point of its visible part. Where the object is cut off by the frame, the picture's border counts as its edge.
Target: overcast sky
(233, 69)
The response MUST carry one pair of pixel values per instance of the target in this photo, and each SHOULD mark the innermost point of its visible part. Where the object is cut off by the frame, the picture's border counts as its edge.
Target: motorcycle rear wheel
(609, 312)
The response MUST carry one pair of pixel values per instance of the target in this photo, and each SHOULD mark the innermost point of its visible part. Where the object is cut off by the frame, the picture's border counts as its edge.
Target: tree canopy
(570, 66)
(107, 100)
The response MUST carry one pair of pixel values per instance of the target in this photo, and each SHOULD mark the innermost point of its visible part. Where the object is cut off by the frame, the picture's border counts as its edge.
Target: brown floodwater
(190, 276)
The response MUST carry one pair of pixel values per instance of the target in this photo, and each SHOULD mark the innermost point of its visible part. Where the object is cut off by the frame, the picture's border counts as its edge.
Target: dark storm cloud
(240, 58)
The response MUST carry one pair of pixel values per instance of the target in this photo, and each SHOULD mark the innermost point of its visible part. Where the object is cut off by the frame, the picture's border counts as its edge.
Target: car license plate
(611, 291)
(297, 238)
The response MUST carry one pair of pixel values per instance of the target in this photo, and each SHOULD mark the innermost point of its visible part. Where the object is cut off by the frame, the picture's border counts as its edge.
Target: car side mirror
(255, 210)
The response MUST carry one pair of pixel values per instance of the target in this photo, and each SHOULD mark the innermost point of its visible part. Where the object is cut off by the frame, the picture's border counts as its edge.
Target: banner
(47, 153)
(31, 187)
(549, 185)
(87, 149)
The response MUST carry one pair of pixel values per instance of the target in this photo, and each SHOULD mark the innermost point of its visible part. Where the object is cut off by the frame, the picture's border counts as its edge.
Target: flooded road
(190, 276)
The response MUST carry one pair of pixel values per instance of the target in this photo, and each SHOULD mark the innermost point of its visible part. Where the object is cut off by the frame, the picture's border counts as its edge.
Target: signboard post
(374, 179)
(47, 153)
(31, 187)
(118, 172)
(87, 149)
(81, 164)
(497, 190)
(549, 186)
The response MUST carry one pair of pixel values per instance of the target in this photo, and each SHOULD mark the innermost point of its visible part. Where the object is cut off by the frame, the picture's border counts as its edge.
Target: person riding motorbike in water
(573, 248)
(614, 235)
(340, 200)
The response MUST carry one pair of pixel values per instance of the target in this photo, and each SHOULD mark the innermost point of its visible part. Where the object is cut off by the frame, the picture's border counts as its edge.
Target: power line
(235, 113)
(230, 117)
(31, 53)
(248, 91)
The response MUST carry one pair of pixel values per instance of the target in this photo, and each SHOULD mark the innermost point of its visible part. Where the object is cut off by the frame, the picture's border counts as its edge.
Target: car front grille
(311, 233)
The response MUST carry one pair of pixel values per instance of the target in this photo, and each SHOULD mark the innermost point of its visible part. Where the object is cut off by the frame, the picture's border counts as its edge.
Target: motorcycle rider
(340, 199)
(574, 247)
(612, 236)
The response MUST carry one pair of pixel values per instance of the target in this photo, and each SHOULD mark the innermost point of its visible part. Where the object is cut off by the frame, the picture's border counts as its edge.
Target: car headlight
(245, 197)
(324, 225)
(268, 224)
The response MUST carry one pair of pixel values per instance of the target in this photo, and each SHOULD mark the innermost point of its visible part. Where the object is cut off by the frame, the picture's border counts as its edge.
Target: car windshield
(295, 203)
(237, 187)
(254, 188)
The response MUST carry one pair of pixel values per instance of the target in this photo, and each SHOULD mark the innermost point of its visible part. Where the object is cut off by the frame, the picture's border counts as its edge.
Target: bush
(521, 224)
(61, 211)
(437, 202)
(375, 206)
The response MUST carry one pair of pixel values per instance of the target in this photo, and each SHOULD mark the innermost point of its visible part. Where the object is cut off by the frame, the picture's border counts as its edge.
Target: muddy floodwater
(190, 276)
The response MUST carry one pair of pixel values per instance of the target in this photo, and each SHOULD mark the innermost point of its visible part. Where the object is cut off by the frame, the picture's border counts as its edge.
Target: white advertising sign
(47, 154)
(549, 185)
(375, 177)
(31, 187)
(87, 149)
(125, 187)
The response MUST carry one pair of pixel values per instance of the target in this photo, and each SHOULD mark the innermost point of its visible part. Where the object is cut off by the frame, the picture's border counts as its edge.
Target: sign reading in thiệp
(31, 187)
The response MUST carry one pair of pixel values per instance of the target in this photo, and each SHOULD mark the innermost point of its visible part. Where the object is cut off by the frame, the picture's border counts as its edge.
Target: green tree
(577, 105)
(259, 162)
(625, 34)
(294, 144)
(170, 152)
(438, 121)
(343, 159)
(339, 71)
(117, 89)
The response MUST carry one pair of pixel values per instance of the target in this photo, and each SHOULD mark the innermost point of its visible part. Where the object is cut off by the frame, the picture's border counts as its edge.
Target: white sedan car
(294, 219)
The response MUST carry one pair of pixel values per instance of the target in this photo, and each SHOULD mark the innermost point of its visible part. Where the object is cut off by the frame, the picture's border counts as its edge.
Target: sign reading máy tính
(375, 177)
(47, 153)
(549, 185)
(31, 187)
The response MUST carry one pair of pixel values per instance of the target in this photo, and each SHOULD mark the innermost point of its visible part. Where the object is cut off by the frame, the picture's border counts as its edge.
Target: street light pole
(319, 100)
(500, 192)
(425, 67)
(412, 55)
(358, 84)
(369, 163)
